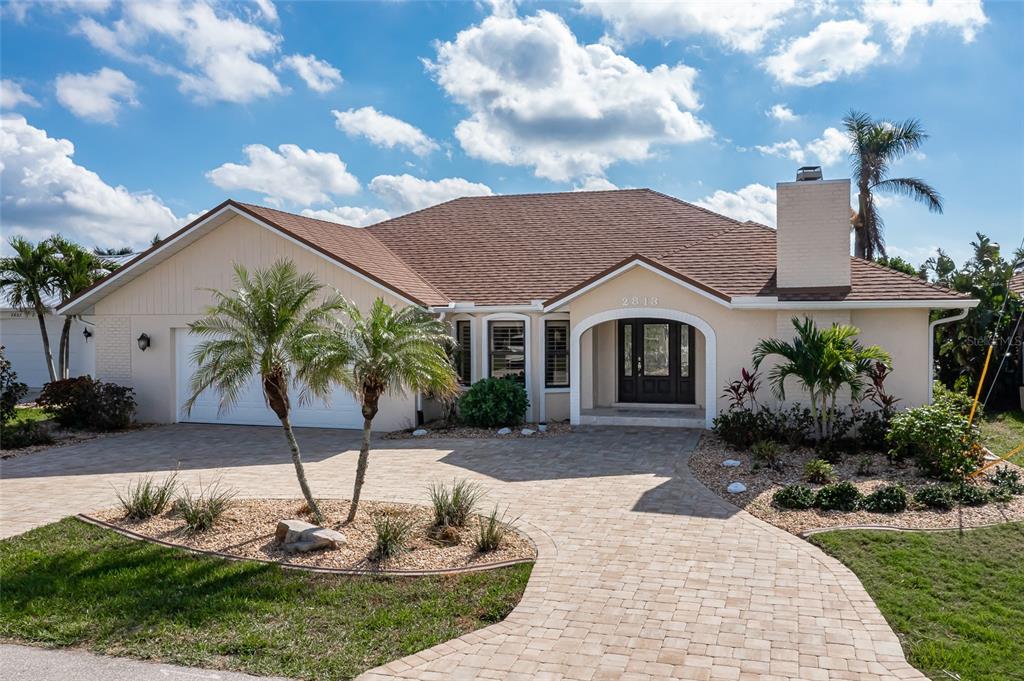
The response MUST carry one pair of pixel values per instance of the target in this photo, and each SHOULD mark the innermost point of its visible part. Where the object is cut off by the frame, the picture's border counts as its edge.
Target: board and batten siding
(162, 301)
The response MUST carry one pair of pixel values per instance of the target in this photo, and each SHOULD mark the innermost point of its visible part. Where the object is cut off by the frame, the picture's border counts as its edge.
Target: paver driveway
(642, 573)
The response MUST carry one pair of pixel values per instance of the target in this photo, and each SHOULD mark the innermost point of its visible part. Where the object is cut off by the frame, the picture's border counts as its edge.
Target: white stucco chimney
(813, 238)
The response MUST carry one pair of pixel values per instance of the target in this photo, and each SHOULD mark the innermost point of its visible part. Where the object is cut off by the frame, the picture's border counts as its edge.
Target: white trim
(544, 319)
(163, 247)
(474, 373)
(625, 268)
(710, 353)
(485, 346)
(473, 307)
(931, 347)
(556, 390)
(773, 303)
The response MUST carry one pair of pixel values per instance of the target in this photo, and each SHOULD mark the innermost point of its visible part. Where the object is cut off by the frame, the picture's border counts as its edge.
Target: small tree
(73, 269)
(392, 351)
(271, 326)
(26, 278)
(823, 362)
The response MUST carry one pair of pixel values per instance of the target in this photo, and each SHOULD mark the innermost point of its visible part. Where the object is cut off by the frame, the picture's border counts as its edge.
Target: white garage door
(250, 409)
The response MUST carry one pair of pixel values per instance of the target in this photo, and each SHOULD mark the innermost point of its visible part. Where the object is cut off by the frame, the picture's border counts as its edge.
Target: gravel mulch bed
(439, 431)
(247, 529)
(706, 464)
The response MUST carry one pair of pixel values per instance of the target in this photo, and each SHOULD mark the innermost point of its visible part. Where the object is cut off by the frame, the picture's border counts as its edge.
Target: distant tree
(874, 146)
(897, 263)
(25, 279)
(122, 250)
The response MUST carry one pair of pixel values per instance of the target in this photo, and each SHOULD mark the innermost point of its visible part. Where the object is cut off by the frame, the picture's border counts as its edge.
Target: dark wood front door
(655, 361)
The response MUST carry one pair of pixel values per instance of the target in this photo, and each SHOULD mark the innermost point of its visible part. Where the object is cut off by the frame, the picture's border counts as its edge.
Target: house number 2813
(633, 301)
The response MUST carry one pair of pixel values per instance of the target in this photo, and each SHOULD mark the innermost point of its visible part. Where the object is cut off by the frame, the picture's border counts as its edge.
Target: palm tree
(823, 362)
(74, 270)
(874, 146)
(26, 278)
(391, 351)
(271, 326)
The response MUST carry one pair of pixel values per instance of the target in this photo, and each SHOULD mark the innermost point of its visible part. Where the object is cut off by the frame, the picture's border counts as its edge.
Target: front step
(648, 421)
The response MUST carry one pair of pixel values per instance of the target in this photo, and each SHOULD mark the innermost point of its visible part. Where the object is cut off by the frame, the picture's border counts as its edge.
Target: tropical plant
(146, 497)
(271, 326)
(819, 471)
(874, 147)
(492, 531)
(73, 269)
(393, 533)
(201, 510)
(26, 278)
(494, 402)
(767, 453)
(939, 438)
(388, 350)
(453, 505)
(839, 496)
(823, 361)
(795, 497)
(886, 499)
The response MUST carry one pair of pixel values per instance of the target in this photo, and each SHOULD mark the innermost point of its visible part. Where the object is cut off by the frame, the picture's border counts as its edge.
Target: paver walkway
(642, 573)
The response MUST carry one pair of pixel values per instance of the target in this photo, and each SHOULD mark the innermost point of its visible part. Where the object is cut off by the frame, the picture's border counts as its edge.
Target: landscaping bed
(246, 530)
(762, 482)
(70, 584)
(441, 431)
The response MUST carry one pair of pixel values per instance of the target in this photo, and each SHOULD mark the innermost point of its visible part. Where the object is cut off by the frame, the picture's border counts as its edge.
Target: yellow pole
(981, 382)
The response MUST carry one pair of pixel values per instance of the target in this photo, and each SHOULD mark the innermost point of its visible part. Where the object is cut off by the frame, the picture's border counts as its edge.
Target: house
(20, 337)
(613, 307)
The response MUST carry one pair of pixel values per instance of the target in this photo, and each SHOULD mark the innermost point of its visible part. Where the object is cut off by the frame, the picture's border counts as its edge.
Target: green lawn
(30, 414)
(72, 584)
(1002, 432)
(957, 602)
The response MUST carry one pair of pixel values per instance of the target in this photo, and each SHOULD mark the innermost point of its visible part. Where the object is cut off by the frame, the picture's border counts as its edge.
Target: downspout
(931, 346)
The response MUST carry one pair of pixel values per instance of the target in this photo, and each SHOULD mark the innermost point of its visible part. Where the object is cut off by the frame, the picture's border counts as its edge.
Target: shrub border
(383, 572)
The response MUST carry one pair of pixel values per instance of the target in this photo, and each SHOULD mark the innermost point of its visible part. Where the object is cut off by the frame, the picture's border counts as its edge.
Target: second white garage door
(250, 409)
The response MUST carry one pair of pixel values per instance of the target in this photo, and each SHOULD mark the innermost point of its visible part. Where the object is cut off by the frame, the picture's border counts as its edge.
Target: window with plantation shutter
(507, 341)
(464, 356)
(556, 354)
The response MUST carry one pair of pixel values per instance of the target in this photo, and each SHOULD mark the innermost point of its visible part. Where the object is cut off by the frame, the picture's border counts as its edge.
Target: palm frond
(913, 188)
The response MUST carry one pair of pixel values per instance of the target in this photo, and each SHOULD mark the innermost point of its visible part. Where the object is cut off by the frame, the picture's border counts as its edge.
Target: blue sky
(124, 120)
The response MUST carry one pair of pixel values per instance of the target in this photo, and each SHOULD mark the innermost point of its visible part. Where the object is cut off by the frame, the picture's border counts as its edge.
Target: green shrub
(872, 428)
(453, 505)
(819, 471)
(767, 453)
(1008, 481)
(957, 401)
(392, 535)
(739, 427)
(11, 390)
(940, 440)
(796, 497)
(865, 466)
(839, 496)
(935, 496)
(492, 532)
(84, 402)
(888, 499)
(201, 511)
(494, 403)
(24, 434)
(970, 494)
(147, 497)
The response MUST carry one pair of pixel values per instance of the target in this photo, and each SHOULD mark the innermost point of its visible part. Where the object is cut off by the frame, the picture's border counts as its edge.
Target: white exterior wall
(23, 346)
(813, 236)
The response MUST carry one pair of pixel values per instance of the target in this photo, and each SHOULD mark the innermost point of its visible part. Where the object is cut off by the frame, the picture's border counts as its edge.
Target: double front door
(655, 361)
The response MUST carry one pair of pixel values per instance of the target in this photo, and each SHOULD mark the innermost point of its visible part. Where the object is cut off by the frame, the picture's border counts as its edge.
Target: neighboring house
(610, 306)
(1017, 286)
(23, 345)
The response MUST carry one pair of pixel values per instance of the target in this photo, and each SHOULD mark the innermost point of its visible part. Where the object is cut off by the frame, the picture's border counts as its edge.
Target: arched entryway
(639, 320)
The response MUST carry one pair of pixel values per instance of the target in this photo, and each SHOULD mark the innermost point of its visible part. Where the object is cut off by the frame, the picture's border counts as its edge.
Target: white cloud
(319, 75)
(406, 193)
(829, 149)
(754, 202)
(832, 50)
(45, 191)
(537, 97)
(219, 51)
(740, 26)
(353, 216)
(12, 95)
(903, 18)
(594, 184)
(96, 96)
(268, 10)
(383, 130)
(782, 113)
(289, 174)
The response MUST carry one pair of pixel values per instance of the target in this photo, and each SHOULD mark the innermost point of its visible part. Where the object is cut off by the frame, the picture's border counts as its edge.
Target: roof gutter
(931, 345)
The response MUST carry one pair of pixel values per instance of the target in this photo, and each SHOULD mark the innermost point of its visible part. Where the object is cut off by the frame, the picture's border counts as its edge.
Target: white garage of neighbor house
(612, 307)
(23, 345)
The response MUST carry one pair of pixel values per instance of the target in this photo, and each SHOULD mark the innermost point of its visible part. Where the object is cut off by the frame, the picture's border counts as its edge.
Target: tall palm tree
(271, 326)
(875, 145)
(392, 351)
(26, 278)
(823, 361)
(74, 270)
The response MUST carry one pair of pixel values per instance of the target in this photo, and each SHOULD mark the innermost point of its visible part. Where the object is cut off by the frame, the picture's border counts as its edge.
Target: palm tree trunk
(41, 315)
(861, 231)
(369, 411)
(300, 471)
(64, 351)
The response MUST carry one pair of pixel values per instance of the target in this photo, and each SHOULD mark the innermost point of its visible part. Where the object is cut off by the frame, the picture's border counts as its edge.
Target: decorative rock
(527, 431)
(730, 463)
(505, 431)
(542, 427)
(299, 536)
(420, 432)
(737, 488)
